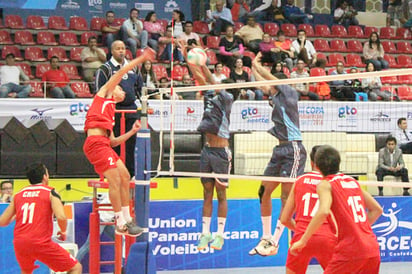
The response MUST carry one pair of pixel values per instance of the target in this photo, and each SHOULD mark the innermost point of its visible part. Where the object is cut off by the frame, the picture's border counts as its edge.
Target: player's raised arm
(8, 214)
(257, 65)
(287, 214)
(374, 209)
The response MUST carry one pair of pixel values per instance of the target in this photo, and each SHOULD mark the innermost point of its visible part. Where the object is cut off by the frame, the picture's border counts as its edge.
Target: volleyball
(197, 56)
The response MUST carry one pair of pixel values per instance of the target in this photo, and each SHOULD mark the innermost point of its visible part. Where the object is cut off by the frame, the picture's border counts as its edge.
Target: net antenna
(172, 106)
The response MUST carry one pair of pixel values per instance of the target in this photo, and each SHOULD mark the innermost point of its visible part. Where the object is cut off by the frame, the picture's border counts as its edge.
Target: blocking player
(100, 140)
(288, 158)
(33, 207)
(357, 249)
(303, 201)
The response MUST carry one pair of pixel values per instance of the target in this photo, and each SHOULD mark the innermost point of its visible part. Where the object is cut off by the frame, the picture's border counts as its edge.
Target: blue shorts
(215, 160)
(288, 160)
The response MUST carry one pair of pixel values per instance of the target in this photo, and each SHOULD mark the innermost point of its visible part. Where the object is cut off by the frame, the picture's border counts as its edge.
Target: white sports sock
(267, 227)
(278, 232)
(119, 219)
(126, 214)
(221, 221)
(206, 225)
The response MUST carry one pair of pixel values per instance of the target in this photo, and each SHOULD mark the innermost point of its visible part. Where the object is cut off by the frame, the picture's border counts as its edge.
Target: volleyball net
(357, 129)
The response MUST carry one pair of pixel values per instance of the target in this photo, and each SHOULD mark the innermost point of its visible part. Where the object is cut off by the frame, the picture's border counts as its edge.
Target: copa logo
(347, 111)
(75, 109)
(249, 113)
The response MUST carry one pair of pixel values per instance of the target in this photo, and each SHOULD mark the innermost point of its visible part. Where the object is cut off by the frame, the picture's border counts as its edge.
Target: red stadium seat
(248, 71)
(71, 71)
(37, 89)
(355, 32)
(237, 26)
(35, 22)
(286, 71)
(200, 27)
(289, 29)
(13, 22)
(354, 60)
(369, 30)
(249, 54)
(387, 33)
(322, 31)
(310, 32)
(75, 53)
(5, 38)
(338, 45)
(57, 22)
(404, 47)
(163, 22)
(389, 80)
(96, 23)
(226, 71)
(339, 31)
(317, 72)
(321, 55)
(334, 58)
(41, 69)
(321, 45)
(354, 46)
(11, 49)
(211, 55)
(81, 89)
(68, 38)
(34, 54)
(388, 46)
(271, 28)
(46, 38)
(129, 54)
(404, 61)
(85, 37)
(78, 23)
(403, 34)
(331, 70)
(118, 21)
(404, 93)
(26, 69)
(160, 71)
(391, 60)
(178, 72)
(24, 37)
(212, 42)
(59, 52)
(405, 79)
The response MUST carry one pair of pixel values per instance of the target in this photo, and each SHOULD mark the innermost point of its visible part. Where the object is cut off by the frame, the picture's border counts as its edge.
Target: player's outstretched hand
(136, 126)
(297, 247)
(149, 53)
(61, 236)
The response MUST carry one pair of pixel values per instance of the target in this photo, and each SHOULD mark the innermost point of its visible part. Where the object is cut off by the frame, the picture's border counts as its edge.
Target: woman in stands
(373, 52)
(231, 48)
(178, 21)
(154, 28)
(149, 76)
(372, 86)
(218, 75)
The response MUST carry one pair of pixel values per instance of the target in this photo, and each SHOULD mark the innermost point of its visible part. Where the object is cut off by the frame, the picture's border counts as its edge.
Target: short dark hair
(149, 15)
(6, 182)
(91, 38)
(313, 153)
(327, 159)
(53, 57)
(188, 22)
(302, 30)
(133, 9)
(390, 139)
(109, 11)
(10, 55)
(35, 173)
(400, 120)
(280, 32)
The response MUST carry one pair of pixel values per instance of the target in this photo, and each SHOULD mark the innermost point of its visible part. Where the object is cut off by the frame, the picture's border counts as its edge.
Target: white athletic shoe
(259, 246)
(268, 248)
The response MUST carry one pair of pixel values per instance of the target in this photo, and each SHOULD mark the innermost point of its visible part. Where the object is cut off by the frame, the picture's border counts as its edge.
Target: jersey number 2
(307, 201)
(358, 211)
(28, 212)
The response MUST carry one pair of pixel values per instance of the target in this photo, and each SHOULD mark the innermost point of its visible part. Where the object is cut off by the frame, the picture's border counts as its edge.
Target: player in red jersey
(33, 208)
(354, 210)
(100, 140)
(303, 200)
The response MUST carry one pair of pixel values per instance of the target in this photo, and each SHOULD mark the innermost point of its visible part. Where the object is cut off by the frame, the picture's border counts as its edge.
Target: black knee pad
(260, 192)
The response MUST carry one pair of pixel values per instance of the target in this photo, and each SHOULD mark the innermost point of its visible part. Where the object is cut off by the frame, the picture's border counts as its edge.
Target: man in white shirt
(403, 136)
(10, 76)
(190, 38)
(133, 33)
(222, 17)
(92, 58)
(391, 162)
(304, 49)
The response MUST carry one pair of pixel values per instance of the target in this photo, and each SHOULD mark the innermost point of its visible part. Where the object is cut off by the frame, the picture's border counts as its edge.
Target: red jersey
(100, 114)
(34, 214)
(355, 236)
(58, 76)
(307, 203)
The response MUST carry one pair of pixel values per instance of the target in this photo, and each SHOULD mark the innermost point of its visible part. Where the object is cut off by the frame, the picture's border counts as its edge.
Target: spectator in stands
(178, 20)
(57, 81)
(230, 48)
(190, 38)
(165, 52)
(304, 49)
(110, 29)
(218, 75)
(239, 75)
(251, 33)
(187, 82)
(295, 15)
(274, 13)
(356, 84)
(345, 15)
(267, 48)
(373, 52)
(240, 10)
(341, 89)
(221, 18)
(92, 58)
(277, 70)
(403, 136)
(302, 88)
(149, 77)
(154, 30)
(373, 85)
(10, 76)
(390, 162)
(283, 50)
(6, 188)
(395, 11)
(133, 33)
